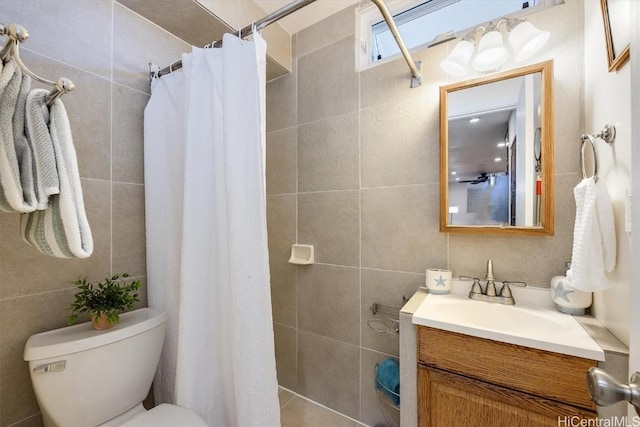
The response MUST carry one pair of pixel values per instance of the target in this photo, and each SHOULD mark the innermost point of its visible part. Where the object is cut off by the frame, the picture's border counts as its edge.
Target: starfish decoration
(441, 281)
(561, 292)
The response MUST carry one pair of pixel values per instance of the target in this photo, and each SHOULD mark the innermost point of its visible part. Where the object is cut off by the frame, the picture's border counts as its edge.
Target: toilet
(88, 378)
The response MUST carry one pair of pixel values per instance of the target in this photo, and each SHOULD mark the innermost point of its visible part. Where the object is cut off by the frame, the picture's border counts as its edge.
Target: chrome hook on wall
(17, 34)
(607, 134)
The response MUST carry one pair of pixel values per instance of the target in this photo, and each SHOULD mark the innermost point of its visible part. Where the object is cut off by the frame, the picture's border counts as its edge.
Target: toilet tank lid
(82, 337)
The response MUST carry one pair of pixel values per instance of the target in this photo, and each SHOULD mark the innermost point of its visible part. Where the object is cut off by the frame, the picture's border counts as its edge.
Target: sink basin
(509, 319)
(521, 324)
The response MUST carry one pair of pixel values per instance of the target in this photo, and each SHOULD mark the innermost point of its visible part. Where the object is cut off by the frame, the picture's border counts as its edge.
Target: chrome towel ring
(591, 140)
(608, 135)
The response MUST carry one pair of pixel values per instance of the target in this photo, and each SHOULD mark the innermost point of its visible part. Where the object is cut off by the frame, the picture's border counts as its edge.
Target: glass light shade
(458, 60)
(526, 40)
(491, 52)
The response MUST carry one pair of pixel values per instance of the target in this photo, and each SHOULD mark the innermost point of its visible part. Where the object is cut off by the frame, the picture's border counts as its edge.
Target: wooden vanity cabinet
(470, 381)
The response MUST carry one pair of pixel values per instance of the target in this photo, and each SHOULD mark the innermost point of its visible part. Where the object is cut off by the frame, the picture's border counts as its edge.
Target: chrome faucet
(489, 294)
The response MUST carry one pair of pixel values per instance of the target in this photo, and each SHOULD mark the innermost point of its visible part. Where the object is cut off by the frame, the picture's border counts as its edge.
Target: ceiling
(308, 15)
(473, 147)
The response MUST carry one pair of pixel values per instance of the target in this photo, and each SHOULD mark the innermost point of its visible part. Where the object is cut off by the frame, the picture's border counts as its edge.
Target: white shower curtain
(207, 258)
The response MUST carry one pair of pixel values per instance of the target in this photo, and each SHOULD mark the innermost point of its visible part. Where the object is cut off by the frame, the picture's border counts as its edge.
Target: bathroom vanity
(480, 363)
(465, 380)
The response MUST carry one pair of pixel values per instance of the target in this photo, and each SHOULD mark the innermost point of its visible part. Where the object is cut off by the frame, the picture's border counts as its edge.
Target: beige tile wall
(104, 48)
(353, 170)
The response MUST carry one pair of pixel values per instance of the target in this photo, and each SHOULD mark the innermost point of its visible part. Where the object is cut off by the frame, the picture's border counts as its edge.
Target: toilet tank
(82, 377)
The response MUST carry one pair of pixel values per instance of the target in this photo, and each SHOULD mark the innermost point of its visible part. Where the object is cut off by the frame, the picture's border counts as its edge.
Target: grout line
(284, 325)
(369, 268)
(402, 185)
(328, 338)
(83, 178)
(356, 189)
(127, 183)
(62, 290)
(282, 129)
(297, 275)
(373, 350)
(360, 331)
(131, 88)
(288, 400)
(359, 423)
(36, 294)
(393, 271)
(82, 70)
(325, 118)
(329, 191)
(66, 64)
(113, 28)
(281, 194)
(17, 423)
(337, 265)
(351, 36)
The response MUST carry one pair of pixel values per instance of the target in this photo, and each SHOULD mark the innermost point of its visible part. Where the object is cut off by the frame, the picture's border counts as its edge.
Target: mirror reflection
(495, 139)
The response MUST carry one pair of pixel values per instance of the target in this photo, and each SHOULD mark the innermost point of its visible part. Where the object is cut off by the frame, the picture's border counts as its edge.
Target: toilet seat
(166, 415)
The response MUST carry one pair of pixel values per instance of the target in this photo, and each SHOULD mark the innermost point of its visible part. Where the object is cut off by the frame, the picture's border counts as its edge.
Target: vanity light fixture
(457, 62)
(491, 53)
(526, 40)
(474, 120)
(497, 159)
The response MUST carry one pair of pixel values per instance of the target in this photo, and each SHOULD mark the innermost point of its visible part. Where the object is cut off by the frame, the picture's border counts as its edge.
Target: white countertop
(530, 323)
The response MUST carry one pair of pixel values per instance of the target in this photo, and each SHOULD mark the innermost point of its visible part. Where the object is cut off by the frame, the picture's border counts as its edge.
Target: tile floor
(298, 412)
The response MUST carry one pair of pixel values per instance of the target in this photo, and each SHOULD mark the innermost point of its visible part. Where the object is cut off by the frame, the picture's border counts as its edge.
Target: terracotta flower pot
(100, 323)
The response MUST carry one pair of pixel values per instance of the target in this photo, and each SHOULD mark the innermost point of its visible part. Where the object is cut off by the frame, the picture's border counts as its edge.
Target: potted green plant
(103, 300)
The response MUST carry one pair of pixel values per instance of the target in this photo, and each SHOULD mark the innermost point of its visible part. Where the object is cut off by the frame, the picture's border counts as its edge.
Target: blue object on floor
(388, 379)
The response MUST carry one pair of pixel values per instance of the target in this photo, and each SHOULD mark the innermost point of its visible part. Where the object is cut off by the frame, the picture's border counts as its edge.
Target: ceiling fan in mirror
(483, 177)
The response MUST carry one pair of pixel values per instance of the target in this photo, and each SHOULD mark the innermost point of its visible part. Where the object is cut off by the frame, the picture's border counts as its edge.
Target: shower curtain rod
(416, 77)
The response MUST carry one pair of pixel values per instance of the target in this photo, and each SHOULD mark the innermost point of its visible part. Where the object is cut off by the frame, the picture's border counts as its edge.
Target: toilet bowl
(87, 378)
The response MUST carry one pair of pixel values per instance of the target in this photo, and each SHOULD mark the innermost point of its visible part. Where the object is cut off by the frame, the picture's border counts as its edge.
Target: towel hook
(16, 35)
(591, 140)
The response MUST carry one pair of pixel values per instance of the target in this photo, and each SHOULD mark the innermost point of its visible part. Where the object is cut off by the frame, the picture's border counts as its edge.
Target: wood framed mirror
(496, 153)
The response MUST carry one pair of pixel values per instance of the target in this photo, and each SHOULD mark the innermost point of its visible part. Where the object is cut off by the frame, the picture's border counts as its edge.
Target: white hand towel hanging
(594, 237)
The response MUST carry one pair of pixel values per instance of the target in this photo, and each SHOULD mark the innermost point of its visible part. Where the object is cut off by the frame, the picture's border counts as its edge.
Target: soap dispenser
(567, 298)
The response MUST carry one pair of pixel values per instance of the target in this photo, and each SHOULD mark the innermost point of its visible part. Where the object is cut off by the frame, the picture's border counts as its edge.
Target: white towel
(44, 160)
(16, 174)
(62, 230)
(594, 237)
